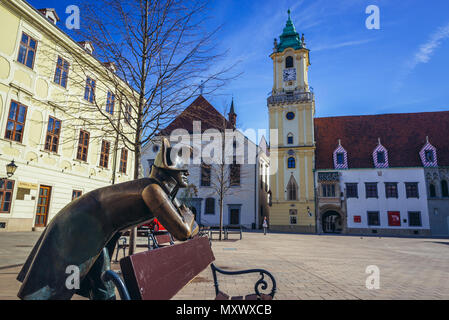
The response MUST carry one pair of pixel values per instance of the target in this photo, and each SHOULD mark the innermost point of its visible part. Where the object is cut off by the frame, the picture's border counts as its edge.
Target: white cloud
(341, 44)
(426, 50)
(424, 53)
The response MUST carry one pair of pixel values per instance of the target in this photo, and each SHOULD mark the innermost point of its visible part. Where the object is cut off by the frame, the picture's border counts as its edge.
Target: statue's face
(181, 178)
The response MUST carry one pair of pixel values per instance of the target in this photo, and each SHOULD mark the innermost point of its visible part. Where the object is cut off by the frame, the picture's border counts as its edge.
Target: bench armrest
(110, 275)
(261, 283)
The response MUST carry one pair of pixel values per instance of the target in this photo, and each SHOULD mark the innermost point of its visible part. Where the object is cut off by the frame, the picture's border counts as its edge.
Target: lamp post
(10, 170)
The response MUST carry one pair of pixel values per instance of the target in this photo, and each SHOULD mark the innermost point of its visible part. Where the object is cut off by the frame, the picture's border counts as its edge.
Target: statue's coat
(77, 235)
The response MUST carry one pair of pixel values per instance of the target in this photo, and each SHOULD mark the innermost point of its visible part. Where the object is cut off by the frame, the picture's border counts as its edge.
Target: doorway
(43, 204)
(234, 218)
(331, 221)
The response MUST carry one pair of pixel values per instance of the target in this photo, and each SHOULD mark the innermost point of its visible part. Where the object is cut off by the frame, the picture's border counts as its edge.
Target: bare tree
(224, 173)
(153, 54)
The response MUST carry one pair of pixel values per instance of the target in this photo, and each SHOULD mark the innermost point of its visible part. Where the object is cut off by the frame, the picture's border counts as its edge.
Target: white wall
(361, 205)
(244, 195)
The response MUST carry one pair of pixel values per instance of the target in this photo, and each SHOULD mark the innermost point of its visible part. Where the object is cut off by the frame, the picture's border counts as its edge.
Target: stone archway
(331, 222)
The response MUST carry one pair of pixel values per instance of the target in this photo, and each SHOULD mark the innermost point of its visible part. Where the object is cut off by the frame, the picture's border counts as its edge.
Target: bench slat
(159, 274)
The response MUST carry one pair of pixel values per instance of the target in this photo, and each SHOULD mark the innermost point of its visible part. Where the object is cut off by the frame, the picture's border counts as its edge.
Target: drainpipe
(316, 202)
(256, 190)
(114, 163)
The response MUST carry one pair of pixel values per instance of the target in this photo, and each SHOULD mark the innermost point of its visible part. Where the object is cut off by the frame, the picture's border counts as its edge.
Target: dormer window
(289, 62)
(428, 155)
(50, 14)
(87, 46)
(340, 157)
(380, 156)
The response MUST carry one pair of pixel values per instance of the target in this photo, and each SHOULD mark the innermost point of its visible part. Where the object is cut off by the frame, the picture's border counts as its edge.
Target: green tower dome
(289, 37)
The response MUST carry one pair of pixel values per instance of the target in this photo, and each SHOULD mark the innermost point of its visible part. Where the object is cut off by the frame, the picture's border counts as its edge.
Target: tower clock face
(290, 74)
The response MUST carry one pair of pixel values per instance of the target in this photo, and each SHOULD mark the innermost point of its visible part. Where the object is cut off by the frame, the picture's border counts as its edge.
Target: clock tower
(291, 108)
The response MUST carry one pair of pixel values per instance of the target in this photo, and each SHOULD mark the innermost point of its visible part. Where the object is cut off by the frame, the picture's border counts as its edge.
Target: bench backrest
(159, 274)
(163, 238)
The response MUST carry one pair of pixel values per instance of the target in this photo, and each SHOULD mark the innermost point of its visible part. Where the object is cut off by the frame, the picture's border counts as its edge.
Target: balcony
(287, 97)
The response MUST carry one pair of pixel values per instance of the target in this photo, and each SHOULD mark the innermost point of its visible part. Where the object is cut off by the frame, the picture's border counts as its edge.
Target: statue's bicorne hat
(169, 158)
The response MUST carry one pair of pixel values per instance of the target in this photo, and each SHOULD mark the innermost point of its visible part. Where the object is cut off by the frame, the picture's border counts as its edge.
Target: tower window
(292, 189)
(290, 115)
(289, 62)
(290, 138)
(291, 163)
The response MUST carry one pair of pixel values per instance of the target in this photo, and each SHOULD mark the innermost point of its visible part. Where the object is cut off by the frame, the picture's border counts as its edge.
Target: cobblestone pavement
(308, 267)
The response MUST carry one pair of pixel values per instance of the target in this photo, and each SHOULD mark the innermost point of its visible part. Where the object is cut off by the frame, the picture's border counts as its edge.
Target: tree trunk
(133, 231)
(221, 216)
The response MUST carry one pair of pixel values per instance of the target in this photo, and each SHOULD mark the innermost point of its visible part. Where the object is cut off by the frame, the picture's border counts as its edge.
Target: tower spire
(289, 37)
(232, 116)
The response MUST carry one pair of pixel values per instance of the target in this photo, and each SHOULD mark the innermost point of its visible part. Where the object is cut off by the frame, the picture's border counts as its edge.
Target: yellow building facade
(44, 123)
(291, 108)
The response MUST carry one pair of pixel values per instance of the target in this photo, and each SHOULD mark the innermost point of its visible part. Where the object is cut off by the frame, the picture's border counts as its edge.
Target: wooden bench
(157, 239)
(233, 229)
(159, 274)
(121, 244)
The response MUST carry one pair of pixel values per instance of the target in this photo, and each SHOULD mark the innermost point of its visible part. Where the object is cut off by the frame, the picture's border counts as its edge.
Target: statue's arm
(180, 223)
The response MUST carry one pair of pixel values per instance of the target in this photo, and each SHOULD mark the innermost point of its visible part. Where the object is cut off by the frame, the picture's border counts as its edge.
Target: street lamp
(10, 169)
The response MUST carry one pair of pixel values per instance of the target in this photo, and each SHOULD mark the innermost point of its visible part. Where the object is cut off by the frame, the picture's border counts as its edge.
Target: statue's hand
(189, 218)
(179, 221)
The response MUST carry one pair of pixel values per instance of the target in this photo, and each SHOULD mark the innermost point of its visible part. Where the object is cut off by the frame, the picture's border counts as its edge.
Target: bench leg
(110, 275)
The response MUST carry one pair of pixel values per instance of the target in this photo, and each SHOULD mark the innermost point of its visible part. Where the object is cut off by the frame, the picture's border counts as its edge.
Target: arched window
(210, 206)
(291, 164)
(289, 62)
(290, 138)
(292, 189)
(432, 191)
(444, 189)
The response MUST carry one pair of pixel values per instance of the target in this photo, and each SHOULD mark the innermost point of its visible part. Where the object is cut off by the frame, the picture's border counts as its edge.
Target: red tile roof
(199, 110)
(403, 135)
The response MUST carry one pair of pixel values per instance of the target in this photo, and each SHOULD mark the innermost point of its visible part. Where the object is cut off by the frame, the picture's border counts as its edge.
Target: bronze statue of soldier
(84, 233)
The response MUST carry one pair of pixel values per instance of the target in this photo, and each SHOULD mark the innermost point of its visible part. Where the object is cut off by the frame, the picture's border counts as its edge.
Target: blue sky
(403, 67)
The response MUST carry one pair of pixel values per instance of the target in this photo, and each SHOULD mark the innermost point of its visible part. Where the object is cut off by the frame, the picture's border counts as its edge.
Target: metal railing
(290, 97)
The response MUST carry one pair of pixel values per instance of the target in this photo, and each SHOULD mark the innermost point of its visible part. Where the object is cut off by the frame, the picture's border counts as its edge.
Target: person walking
(265, 226)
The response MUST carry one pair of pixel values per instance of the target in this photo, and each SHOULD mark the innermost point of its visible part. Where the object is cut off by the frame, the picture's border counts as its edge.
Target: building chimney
(232, 116)
(50, 14)
(87, 45)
